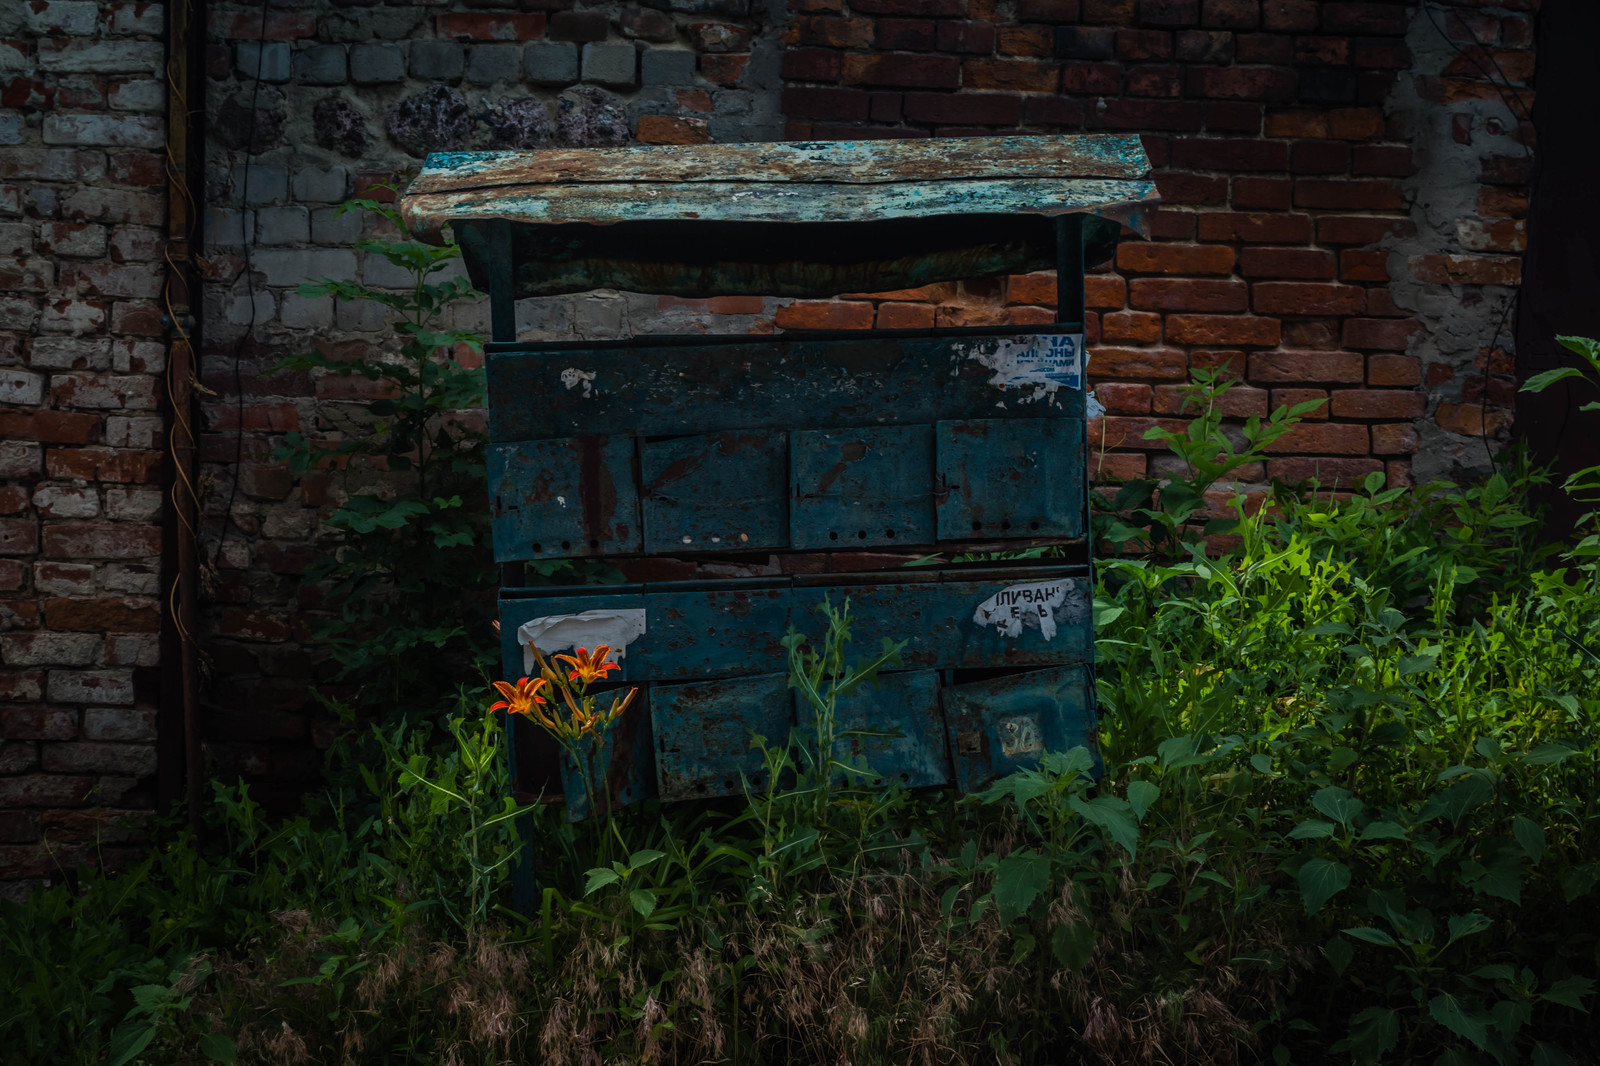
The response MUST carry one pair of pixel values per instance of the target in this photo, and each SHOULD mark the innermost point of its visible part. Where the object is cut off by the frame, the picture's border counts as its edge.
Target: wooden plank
(653, 388)
(1000, 725)
(1020, 478)
(794, 163)
(563, 498)
(867, 487)
(715, 492)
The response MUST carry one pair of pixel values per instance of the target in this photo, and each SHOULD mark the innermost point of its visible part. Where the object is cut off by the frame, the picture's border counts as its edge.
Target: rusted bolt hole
(889, 533)
(1033, 525)
(594, 544)
(566, 545)
(1006, 524)
(538, 547)
(833, 535)
(977, 526)
(861, 534)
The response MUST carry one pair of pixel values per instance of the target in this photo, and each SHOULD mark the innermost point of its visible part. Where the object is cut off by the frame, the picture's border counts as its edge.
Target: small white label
(616, 628)
(572, 377)
(1040, 605)
(1045, 363)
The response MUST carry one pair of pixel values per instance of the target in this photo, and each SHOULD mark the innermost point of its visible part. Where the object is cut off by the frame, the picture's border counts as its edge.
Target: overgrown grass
(1347, 815)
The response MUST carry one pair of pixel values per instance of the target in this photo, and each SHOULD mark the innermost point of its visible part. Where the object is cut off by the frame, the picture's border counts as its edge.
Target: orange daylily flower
(588, 666)
(520, 697)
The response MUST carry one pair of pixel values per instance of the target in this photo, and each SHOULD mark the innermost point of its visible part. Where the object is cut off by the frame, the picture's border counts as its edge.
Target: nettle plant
(404, 555)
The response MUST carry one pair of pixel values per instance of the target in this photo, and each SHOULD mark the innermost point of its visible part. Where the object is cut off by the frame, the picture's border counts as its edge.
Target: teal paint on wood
(556, 499)
(659, 387)
(868, 487)
(895, 728)
(1022, 478)
(1002, 725)
(703, 734)
(716, 492)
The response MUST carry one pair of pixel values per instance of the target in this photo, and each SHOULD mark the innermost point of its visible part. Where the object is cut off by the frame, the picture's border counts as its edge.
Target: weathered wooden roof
(698, 219)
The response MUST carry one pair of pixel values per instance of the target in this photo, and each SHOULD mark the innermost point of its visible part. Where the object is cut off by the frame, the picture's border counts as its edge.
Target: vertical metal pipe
(179, 699)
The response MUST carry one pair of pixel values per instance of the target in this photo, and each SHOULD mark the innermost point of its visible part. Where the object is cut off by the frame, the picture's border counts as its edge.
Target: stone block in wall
(89, 686)
(321, 185)
(611, 64)
(321, 64)
(259, 183)
(437, 60)
(377, 271)
(328, 226)
(550, 63)
(84, 756)
(283, 225)
(267, 61)
(306, 312)
(283, 266)
(667, 66)
(21, 387)
(491, 63)
(376, 64)
(119, 723)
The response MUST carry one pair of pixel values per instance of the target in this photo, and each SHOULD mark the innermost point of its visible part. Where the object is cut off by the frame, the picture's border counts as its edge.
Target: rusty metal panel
(1011, 478)
(516, 610)
(703, 733)
(906, 703)
(563, 498)
(715, 492)
(628, 758)
(712, 632)
(1004, 724)
(663, 387)
(861, 487)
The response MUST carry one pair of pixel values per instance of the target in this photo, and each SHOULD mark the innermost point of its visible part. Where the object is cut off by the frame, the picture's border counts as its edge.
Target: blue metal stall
(786, 468)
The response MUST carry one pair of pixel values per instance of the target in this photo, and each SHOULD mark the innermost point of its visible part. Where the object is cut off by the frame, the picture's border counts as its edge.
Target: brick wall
(1342, 185)
(81, 208)
(345, 96)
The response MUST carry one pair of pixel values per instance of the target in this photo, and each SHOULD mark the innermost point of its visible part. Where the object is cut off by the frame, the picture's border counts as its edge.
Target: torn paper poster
(587, 629)
(1041, 605)
(1045, 362)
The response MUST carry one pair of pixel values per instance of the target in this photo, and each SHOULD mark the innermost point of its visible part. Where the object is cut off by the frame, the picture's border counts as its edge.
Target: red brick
(101, 541)
(1241, 401)
(1140, 115)
(1269, 193)
(914, 72)
(905, 316)
(1394, 370)
(1361, 229)
(1115, 466)
(1397, 439)
(1392, 334)
(1467, 269)
(1307, 298)
(1379, 53)
(1215, 330)
(1309, 367)
(920, 8)
(1471, 419)
(268, 417)
(105, 615)
(723, 70)
(1110, 12)
(1188, 294)
(908, 35)
(49, 427)
(997, 109)
(841, 105)
(1319, 157)
(1143, 45)
(1377, 19)
(251, 26)
(1123, 398)
(1036, 41)
(1378, 403)
(491, 26)
(1152, 364)
(37, 722)
(1383, 160)
(1230, 14)
(1289, 16)
(1255, 228)
(46, 790)
(1164, 82)
(1173, 224)
(664, 129)
(1502, 203)
(825, 314)
(1137, 326)
(1120, 431)
(808, 64)
(1352, 195)
(123, 465)
(1102, 291)
(1146, 258)
(1008, 75)
(1328, 473)
(1169, 12)
(1322, 438)
(1295, 397)
(1231, 154)
(970, 38)
(1048, 11)
(1266, 84)
(1355, 265)
(1267, 49)
(1321, 51)
(1308, 263)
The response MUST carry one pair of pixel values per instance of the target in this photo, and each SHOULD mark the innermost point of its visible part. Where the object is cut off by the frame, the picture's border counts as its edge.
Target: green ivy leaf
(1073, 944)
(1448, 1012)
(1018, 880)
(1530, 836)
(599, 877)
(1372, 936)
(1569, 992)
(643, 900)
(1311, 829)
(1374, 1032)
(218, 1048)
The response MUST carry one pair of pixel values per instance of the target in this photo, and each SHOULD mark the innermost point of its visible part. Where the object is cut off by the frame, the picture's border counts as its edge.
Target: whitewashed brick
(119, 723)
(100, 57)
(132, 431)
(22, 388)
(66, 501)
(138, 94)
(50, 649)
(111, 131)
(90, 686)
(133, 505)
(20, 459)
(284, 266)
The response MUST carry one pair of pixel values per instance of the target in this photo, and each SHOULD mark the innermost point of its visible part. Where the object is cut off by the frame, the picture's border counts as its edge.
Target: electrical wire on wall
(247, 236)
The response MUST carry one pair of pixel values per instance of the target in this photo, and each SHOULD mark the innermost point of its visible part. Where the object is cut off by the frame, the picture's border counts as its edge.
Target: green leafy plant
(407, 554)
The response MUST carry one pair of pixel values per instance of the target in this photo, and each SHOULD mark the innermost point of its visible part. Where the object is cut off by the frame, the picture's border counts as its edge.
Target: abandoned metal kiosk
(773, 461)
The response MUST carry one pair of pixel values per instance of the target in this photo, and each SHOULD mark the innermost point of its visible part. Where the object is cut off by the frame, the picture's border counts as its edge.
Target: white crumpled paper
(588, 629)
